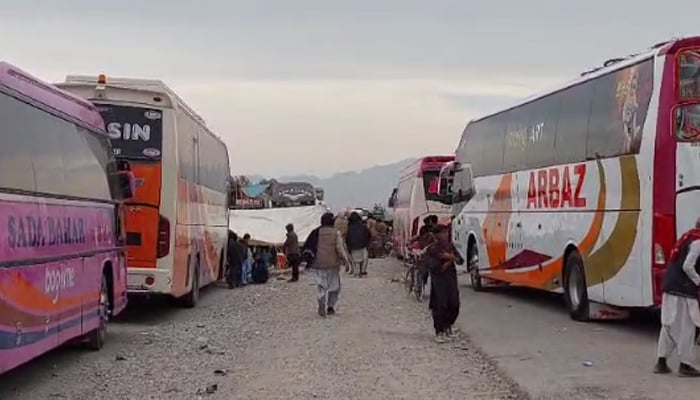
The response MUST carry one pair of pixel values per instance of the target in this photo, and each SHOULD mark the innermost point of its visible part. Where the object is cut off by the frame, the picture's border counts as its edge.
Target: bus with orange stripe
(62, 261)
(584, 189)
(177, 222)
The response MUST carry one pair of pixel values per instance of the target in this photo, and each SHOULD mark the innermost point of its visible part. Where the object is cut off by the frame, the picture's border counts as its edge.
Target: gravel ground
(266, 342)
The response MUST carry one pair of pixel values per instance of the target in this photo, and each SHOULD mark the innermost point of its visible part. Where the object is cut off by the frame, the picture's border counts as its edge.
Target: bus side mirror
(390, 203)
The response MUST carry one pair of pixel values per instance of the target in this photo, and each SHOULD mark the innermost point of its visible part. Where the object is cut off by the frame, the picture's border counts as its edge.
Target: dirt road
(266, 342)
(533, 339)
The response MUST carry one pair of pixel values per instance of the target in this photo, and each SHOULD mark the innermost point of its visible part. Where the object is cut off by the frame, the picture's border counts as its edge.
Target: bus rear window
(687, 123)
(689, 74)
(136, 133)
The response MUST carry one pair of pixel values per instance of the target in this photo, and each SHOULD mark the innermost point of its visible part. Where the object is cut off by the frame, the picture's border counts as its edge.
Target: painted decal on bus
(552, 187)
(38, 229)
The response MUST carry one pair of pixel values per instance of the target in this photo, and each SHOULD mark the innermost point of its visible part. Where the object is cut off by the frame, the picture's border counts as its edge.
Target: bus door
(460, 184)
(136, 134)
(143, 217)
(687, 126)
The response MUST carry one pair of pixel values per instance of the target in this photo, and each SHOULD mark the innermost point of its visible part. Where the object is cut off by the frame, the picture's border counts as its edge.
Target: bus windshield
(136, 133)
(431, 178)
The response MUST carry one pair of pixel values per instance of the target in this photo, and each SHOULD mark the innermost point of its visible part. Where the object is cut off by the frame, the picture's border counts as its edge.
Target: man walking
(324, 248)
(680, 315)
(291, 251)
(357, 240)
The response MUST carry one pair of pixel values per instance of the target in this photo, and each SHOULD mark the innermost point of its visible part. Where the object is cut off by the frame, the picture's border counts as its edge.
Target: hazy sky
(320, 86)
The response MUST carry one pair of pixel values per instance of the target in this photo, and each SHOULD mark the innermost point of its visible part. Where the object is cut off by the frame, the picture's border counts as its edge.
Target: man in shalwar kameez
(680, 314)
(326, 249)
(441, 257)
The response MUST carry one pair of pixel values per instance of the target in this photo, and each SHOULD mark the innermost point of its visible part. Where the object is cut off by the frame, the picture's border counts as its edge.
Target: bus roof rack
(661, 44)
(155, 85)
(614, 61)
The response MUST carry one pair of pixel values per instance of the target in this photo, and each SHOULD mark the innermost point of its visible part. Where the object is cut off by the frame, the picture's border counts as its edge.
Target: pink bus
(62, 269)
(417, 196)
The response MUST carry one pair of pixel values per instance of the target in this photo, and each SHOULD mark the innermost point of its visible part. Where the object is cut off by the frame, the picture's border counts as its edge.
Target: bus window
(687, 123)
(689, 74)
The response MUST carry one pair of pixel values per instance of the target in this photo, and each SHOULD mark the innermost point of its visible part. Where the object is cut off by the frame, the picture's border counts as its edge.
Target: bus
(62, 261)
(293, 194)
(177, 222)
(583, 190)
(417, 196)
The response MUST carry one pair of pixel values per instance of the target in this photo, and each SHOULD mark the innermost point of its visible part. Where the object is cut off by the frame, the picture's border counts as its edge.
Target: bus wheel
(96, 338)
(473, 268)
(192, 298)
(575, 289)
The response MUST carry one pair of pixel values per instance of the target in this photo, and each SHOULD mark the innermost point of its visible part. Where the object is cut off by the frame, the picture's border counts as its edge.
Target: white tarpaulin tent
(267, 226)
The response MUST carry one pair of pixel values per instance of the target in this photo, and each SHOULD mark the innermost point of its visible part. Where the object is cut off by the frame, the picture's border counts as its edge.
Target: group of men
(337, 241)
(329, 246)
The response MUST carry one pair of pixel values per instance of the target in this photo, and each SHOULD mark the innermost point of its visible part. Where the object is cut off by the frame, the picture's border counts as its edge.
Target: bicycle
(413, 278)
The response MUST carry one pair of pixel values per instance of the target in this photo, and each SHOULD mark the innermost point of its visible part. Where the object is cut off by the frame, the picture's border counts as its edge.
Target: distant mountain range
(355, 188)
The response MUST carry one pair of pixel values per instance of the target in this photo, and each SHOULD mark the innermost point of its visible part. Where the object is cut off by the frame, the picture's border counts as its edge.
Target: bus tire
(191, 299)
(473, 267)
(95, 339)
(575, 288)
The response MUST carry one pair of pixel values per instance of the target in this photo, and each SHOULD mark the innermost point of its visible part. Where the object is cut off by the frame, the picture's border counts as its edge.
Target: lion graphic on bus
(627, 93)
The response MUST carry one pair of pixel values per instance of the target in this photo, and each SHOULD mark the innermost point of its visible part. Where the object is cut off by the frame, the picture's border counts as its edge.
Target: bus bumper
(148, 281)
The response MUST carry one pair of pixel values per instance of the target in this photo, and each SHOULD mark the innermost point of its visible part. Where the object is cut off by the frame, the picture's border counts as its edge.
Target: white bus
(177, 222)
(417, 196)
(583, 190)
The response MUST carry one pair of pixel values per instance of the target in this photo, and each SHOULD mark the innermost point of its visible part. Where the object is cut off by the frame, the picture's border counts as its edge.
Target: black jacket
(308, 252)
(358, 236)
(676, 281)
(236, 253)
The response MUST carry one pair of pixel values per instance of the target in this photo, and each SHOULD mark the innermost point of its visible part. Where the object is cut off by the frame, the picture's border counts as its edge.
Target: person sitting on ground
(267, 256)
(259, 273)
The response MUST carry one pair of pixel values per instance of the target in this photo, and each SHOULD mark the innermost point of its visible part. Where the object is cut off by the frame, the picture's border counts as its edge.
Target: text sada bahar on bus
(62, 264)
(583, 190)
(417, 197)
(177, 222)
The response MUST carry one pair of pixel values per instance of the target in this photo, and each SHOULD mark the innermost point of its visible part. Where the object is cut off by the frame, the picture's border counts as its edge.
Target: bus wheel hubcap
(574, 295)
